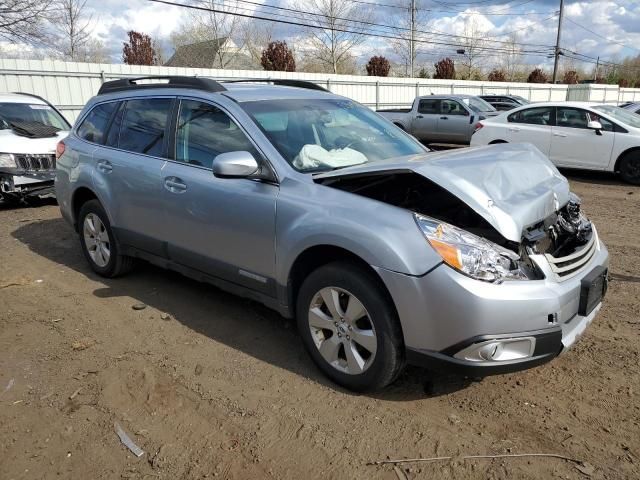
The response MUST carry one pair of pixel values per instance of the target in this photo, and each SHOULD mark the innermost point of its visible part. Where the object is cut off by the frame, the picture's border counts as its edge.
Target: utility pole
(412, 41)
(595, 74)
(557, 52)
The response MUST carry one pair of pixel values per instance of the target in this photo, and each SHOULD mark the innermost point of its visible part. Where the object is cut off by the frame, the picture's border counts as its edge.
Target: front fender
(382, 235)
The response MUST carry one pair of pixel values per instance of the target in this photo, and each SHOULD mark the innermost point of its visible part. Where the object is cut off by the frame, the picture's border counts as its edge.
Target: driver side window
(204, 131)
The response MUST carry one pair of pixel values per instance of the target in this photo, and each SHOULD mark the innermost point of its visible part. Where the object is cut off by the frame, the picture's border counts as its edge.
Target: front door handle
(175, 185)
(514, 129)
(563, 135)
(105, 166)
(444, 118)
(419, 116)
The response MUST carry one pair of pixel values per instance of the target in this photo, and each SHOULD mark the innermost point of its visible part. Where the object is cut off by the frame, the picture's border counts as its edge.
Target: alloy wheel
(342, 330)
(96, 239)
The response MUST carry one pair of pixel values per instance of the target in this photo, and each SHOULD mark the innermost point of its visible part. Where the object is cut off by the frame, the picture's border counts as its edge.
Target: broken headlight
(7, 160)
(472, 255)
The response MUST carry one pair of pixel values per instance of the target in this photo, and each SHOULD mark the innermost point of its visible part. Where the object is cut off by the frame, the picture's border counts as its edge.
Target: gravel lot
(210, 385)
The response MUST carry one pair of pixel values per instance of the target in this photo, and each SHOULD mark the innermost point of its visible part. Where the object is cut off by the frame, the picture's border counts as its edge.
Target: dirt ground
(210, 385)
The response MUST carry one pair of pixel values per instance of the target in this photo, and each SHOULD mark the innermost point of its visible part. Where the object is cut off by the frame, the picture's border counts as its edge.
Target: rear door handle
(419, 116)
(444, 118)
(175, 185)
(563, 135)
(105, 166)
(514, 129)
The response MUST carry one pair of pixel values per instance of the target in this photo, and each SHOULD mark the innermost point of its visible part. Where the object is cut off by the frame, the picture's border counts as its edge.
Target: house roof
(203, 55)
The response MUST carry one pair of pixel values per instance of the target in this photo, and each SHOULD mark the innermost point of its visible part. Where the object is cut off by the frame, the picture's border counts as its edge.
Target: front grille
(570, 265)
(36, 162)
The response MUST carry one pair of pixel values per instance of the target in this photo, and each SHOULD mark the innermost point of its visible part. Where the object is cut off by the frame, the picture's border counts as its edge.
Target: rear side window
(204, 131)
(429, 106)
(533, 116)
(94, 126)
(144, 124)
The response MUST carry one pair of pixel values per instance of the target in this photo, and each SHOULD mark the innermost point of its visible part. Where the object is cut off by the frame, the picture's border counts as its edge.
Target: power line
(279, 19)
(602, 36)
(432, 10)
(382, 25)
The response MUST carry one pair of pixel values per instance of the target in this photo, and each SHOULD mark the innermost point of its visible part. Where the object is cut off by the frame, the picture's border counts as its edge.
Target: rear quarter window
(94, 126)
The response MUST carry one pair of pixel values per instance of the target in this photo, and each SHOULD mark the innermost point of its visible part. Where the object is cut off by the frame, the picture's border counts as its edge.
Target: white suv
(572, 135)
(30, 128)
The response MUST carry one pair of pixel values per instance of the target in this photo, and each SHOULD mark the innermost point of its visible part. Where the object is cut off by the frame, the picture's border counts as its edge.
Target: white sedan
(572, 135)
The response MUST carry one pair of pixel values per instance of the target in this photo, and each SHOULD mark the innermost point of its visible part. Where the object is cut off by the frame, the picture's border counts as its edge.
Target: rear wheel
(630, 168)
(349, 327)
(99, 245)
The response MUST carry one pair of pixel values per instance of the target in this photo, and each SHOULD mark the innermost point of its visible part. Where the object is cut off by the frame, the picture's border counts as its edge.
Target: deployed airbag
(314, 156)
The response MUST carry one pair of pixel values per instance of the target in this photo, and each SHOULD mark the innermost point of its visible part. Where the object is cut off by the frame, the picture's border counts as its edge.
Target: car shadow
(239, 323)
(594, 177)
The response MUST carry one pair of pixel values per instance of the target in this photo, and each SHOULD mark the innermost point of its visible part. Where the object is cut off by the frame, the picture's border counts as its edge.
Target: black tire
(630, 168)
(118, 264)
(388, 361)
(495, 142)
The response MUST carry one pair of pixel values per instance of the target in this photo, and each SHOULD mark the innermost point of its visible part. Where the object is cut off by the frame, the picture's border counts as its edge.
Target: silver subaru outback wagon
(476, 262)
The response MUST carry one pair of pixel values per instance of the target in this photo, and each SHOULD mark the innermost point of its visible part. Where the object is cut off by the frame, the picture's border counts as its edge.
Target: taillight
(59, 149)
(479, 125)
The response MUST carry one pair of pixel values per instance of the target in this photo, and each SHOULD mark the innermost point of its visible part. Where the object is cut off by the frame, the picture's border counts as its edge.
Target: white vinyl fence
(68, 85)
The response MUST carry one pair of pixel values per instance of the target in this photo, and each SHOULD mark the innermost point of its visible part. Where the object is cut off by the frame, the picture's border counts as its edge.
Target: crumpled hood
(512, 186)
(12, 143)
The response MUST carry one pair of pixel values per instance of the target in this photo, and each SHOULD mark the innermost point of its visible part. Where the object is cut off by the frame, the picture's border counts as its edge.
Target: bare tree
(511, 58)
(72, 27)
(20, 20)
(256, 36)
(219, 25)
(408, 47)
(473, 43)
(331, 46)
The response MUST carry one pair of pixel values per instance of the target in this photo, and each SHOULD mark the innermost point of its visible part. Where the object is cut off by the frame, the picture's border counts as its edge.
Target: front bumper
(444, 312)
(549, 343)
(26, 184)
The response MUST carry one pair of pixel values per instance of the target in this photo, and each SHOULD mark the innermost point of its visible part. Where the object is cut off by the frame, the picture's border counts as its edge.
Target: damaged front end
(467, 241)
(25, 175)
(566, 239)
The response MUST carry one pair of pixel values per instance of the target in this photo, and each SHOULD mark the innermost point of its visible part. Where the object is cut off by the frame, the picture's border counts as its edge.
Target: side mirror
(235, 165)
(595, 125)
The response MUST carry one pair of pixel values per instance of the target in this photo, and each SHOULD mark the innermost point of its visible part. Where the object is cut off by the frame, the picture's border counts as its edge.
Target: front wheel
(630, 168)
(349, 327)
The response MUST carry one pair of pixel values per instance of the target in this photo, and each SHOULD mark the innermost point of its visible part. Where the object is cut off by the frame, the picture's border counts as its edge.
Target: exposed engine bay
(558, 235)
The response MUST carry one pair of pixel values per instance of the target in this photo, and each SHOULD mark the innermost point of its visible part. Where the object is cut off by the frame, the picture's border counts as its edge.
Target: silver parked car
(478, 261)
(441, 118)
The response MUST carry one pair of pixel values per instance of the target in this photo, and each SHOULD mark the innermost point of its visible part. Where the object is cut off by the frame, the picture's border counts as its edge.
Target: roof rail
(285, 82)
(33, 95)
(173, 81)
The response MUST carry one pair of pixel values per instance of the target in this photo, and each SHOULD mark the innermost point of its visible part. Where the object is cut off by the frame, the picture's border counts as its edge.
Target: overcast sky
(616, 23)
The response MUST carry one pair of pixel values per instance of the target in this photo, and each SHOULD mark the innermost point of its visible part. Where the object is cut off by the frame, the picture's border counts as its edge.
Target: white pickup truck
(441, 118)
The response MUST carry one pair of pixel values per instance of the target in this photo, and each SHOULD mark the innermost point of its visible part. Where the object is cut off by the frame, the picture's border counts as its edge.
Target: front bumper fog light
(498, 350)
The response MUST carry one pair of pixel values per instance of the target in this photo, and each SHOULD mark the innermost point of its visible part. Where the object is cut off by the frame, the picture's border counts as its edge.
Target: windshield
(478, 105)
(320, 135)
(620, 114)
(26, 112)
